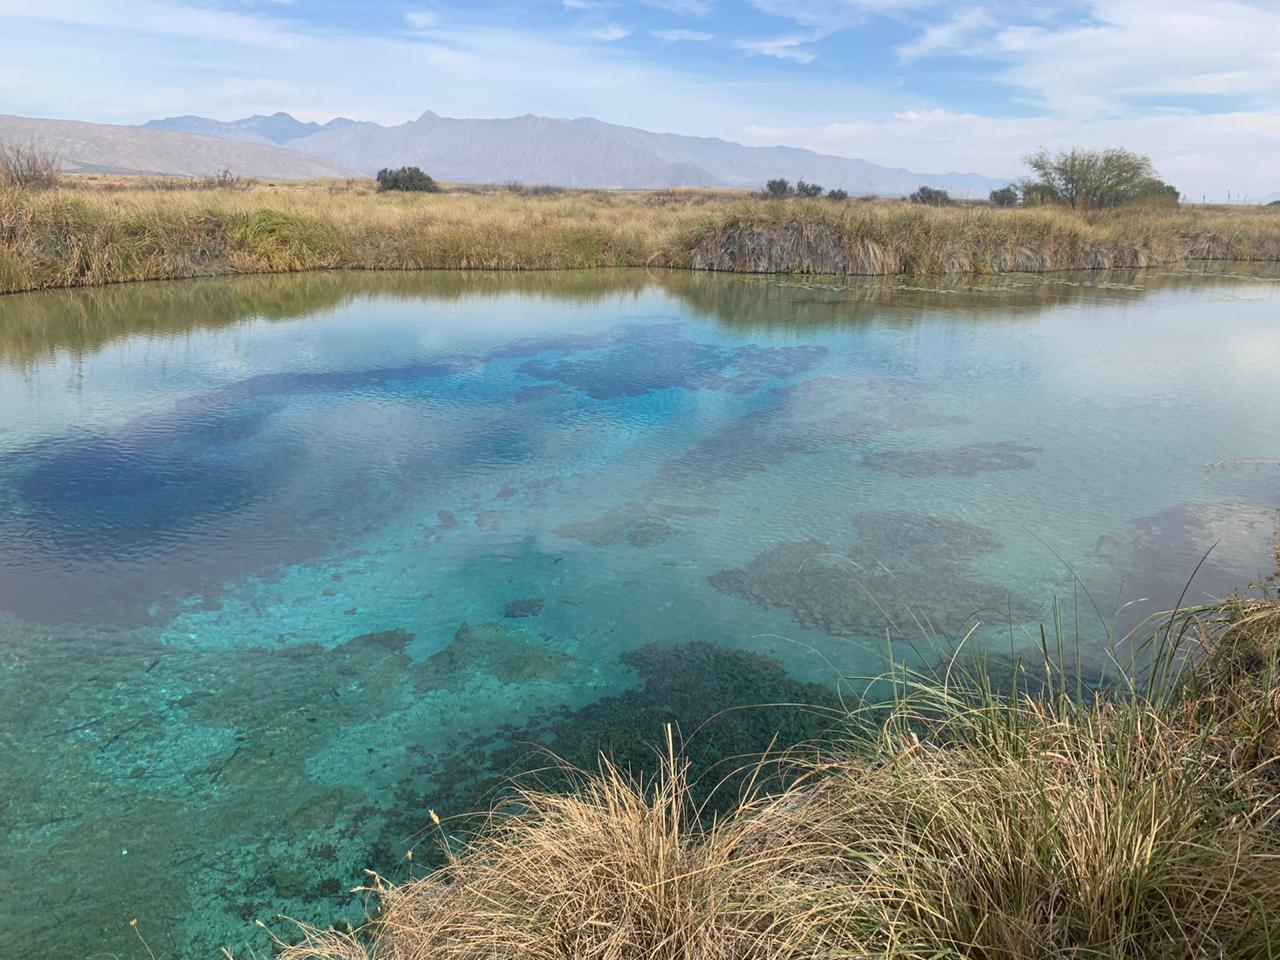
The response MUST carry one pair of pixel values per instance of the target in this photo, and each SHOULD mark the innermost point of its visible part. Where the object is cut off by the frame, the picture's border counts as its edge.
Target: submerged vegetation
(984, 812)
(82, 235)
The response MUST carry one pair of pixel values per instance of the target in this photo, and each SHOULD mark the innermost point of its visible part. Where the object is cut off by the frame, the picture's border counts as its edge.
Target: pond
(287, 562)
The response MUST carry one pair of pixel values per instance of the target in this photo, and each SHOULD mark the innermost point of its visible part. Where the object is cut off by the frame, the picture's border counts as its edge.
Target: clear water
(287, 561)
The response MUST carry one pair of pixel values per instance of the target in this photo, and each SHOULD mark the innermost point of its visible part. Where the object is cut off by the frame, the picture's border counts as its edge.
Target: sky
(931, 85)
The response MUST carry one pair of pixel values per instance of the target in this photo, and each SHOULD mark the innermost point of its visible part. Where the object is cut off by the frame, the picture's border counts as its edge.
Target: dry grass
(104, 230)
(28, 167)
(956, 822)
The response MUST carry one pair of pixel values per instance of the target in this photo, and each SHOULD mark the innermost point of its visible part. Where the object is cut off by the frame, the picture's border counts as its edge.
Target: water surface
(287, 561)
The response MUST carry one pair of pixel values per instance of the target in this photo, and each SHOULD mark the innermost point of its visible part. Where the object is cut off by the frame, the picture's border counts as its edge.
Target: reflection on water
(286, 561)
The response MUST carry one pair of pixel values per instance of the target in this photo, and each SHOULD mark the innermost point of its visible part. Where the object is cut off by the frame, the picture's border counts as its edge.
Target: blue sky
(927, 84)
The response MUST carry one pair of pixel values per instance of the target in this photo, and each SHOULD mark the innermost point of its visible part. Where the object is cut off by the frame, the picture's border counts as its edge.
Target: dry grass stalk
(106, 230)
(956, 823)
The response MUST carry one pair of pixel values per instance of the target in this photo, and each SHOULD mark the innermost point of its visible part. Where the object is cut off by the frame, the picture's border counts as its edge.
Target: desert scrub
(1040, 816)
(94, 231)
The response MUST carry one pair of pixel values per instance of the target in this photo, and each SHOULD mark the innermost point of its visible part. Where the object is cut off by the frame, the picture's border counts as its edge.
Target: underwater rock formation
(525, 607)
(905, 572)
(632, 523)
(968, 460)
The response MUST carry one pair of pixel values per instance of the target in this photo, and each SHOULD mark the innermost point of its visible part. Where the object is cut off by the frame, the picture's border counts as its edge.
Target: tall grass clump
(90, 232)
(1039, 815)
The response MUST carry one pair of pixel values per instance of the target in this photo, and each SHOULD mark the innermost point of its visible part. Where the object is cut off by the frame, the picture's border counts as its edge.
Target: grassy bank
(1060, 818)
(93, 233)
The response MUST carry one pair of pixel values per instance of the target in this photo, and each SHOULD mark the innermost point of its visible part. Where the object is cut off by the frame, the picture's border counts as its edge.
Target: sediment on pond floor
(82, 237)
(992, 810)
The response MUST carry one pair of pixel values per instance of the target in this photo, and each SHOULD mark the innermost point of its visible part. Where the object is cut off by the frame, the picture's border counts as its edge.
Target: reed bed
(91, 233)
(1047, 817)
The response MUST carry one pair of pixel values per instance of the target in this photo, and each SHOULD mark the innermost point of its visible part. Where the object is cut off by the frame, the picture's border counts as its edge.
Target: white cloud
(1126, 53)
(1188, 149)
(950, 35)
(420, 19)
(684, 8)
(837, 14)
(160, 18)
(608, 33)
(675, 36)
(125, 61)
(790, 47)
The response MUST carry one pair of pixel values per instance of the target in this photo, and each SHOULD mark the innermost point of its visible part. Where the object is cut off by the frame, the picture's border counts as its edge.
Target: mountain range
(530, 149)
(109, 148)
(570, 153)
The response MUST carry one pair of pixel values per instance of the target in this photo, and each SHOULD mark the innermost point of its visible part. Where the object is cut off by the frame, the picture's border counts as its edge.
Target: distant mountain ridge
(110, 148)
(279, 128)
(570, 153)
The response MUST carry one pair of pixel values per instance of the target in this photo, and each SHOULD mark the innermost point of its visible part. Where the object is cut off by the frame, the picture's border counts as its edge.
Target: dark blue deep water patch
(270, 589)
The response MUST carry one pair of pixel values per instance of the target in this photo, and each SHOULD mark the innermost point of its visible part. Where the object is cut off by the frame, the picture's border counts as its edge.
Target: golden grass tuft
(107, 230)
(956, 822)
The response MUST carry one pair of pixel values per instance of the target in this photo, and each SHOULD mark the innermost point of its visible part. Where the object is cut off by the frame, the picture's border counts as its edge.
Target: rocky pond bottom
(288, 562)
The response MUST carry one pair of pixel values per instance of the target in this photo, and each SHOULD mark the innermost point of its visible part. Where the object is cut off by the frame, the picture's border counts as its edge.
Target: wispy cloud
(676, 36)
(963, 30)
(1124, 53)
(608, 33)
(838, 14)
(420, 19)
(684, 8)
(792, 47)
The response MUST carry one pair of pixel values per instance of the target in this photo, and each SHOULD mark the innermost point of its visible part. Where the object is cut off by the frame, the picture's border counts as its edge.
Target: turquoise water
(285, 562)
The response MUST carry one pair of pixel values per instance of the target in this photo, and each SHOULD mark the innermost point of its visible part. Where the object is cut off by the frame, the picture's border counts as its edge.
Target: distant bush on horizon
(931, 197)
(406, 179)
(1005, 196)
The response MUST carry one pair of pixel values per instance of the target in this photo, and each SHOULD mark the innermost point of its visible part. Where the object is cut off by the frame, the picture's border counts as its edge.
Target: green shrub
(931, 197)
(808, 189)
(1005, 196)
(778, 188)
(836, 193)
(406, 178)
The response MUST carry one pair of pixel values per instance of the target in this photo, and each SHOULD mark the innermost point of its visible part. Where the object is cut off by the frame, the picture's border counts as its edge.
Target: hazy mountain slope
(591, 153)
(742, 166)
(570, 153)
(278, 128)
(529, 149)
(107, 148)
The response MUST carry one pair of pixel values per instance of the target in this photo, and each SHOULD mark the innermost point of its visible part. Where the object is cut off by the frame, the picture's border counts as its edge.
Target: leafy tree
(406, 178)
(778, 188)
(1094, 178)
(835, 193)
(931, 197)
(808, 189)
(1157, 191)
(1005, 196)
